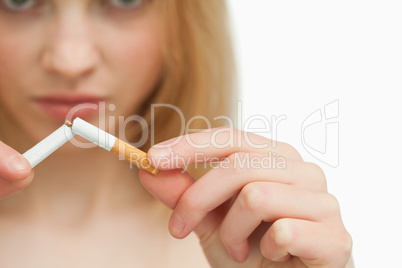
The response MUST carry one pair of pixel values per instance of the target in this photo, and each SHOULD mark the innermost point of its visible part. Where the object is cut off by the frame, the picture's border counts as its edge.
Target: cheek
(17, 76)
(10, 58)
(18, 52)
(15, 64)
(135, 58)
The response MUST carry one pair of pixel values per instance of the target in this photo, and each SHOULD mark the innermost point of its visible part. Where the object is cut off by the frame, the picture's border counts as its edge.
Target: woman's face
(56, 54)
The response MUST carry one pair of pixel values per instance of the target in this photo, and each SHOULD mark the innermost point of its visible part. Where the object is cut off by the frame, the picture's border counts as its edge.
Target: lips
(62, 107)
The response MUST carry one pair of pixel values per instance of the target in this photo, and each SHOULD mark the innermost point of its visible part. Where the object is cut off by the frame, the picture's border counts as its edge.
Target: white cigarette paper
(113, 144)
(93, 134)
(47, 146)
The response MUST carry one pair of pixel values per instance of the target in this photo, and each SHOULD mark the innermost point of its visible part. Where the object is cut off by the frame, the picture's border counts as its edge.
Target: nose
(70, 51)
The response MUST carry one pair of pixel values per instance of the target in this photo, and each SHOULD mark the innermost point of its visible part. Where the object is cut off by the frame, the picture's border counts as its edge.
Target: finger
(9, 187)
(213, 145)
(269, 202)
(316, 244)
(167, 186)
(13, 166)
(241, 168)
(220, 184)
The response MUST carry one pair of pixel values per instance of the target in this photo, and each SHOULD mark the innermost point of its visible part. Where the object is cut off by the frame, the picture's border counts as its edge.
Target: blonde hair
(199, 67)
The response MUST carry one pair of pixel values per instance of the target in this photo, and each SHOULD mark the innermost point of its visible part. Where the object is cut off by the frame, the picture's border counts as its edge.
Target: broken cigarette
(47, 146)
(112, 144)
(51, 143)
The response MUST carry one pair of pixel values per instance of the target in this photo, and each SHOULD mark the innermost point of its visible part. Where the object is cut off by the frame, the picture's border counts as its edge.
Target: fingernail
(161, 158)
(176, 225)
(156, 152)
(17, 163)
(169, 142)
(239, 252)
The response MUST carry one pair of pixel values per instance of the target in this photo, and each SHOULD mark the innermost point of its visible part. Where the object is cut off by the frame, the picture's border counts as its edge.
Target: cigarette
(112, 144)
(47, 146)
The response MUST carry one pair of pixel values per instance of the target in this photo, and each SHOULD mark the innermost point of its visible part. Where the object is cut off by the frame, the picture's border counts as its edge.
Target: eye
(19, 5)
(126, 3)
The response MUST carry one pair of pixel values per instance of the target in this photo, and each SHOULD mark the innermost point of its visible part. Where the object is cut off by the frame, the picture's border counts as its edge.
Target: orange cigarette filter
(112, 144)
(133, 155)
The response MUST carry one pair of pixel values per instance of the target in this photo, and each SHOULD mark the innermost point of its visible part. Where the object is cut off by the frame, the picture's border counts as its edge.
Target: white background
(295, 57)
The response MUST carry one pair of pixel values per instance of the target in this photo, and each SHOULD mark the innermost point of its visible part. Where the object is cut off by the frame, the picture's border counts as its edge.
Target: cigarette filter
(112, 144)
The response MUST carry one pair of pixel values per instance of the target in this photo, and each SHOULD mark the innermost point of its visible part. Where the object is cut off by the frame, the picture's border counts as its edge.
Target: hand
(15, 171)
(250, 215)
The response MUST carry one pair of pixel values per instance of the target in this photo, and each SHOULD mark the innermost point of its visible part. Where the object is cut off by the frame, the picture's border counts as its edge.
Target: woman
(168, 62)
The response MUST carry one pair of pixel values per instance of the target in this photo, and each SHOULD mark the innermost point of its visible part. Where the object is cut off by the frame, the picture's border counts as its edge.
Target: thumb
(15, 171)
(168, 186)
(13, 166)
